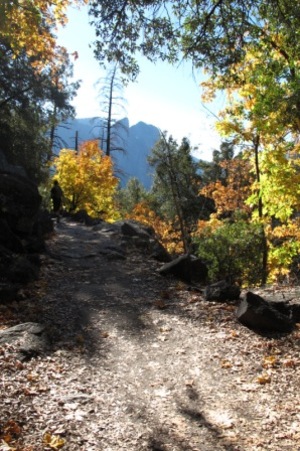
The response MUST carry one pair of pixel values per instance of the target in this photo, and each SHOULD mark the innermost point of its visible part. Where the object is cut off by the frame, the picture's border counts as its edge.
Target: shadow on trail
(94, 299)
(93, 289)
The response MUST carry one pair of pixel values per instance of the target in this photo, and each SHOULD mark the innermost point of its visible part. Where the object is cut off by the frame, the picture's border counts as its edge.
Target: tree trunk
(264, 273)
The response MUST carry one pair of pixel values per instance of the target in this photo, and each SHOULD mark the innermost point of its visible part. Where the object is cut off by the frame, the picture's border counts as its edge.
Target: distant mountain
(137, 143)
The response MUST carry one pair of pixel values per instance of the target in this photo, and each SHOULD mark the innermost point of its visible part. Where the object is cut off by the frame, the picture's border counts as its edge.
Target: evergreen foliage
(232, 251)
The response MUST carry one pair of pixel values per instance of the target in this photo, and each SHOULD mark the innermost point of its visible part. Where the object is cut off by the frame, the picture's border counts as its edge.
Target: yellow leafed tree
(87, 180)
(28, 25)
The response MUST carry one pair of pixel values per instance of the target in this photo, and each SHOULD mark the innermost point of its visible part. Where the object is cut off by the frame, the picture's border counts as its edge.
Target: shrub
(233, 251)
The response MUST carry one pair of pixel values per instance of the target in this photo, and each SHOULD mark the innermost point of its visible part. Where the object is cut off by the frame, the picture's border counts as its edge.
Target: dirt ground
(142, 362)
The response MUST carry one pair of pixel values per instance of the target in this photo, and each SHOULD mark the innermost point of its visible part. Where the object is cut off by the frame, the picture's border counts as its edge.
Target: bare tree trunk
(109, 115)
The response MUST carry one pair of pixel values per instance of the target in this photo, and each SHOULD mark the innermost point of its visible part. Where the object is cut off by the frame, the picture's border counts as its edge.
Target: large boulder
(159, 253)
(258, 314)
(8, 292)
(9, 239)
(19, 203)
(21, 228)
(5, 166)
(23, 270)
(187, 268)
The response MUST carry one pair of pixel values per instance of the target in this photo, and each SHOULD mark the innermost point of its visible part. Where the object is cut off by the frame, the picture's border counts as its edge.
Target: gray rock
(22, 271)
(222, 291)
(132, 229)
(159, 253)
(187, 268)
(8, 292)
(20, 200)
(9, 239)
(257, 314)
(30, 339)
(10, 168)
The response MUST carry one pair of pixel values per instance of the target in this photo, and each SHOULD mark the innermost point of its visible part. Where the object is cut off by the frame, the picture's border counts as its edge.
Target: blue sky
(165, 96)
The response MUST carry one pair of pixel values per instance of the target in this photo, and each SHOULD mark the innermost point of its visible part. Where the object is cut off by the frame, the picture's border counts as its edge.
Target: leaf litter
(167, 371)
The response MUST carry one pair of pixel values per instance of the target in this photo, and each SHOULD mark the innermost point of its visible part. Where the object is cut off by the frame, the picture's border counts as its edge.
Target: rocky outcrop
(19, 203)
(22, 227)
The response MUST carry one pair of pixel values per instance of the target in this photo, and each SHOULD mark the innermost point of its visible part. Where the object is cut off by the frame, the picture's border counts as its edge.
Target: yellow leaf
(226, 364)
(270, 361)
(234, 334)
(263, 379)
(53, 441)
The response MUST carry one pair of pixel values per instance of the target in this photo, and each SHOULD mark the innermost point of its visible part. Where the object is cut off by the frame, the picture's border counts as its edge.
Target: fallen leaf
(180, 286)
(159, 303)
(234, 334)
(194, 298)
(53, 441)
(289, 363)
(270, 361)
(165, 329)
(5, 446)
(12, 428)
(226, 364)
(263, 379)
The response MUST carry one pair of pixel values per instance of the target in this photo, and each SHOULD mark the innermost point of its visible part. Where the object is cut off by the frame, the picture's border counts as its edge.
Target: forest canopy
(248, 49)
(213, 34)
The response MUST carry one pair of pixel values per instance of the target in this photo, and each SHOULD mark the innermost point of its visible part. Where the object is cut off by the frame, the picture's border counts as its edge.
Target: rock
(222, 291)
(22, 271)
(10, 168)
(140, 236)
(83, 217)
(132, 229)
(187, 268)
(8, 292)
(6, 260)
(295, 312)
(19, 203)
(257, 314)
(112, 251)
(198, 269)
(29, 338)
(9, 239)
(44, 225)
(159, 253)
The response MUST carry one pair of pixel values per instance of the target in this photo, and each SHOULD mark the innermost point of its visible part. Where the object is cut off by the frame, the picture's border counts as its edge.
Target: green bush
(233, 251)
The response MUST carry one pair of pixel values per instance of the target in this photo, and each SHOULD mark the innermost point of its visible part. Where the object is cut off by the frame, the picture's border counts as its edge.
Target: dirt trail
(140, 362)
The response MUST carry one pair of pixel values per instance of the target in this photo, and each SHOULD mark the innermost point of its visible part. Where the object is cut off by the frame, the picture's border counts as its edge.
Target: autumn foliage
(163, 228)
(230, 196)
(87, 180)
(28, 25)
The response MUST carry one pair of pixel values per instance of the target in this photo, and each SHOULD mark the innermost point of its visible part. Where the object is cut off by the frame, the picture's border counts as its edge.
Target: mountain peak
(138, 144)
